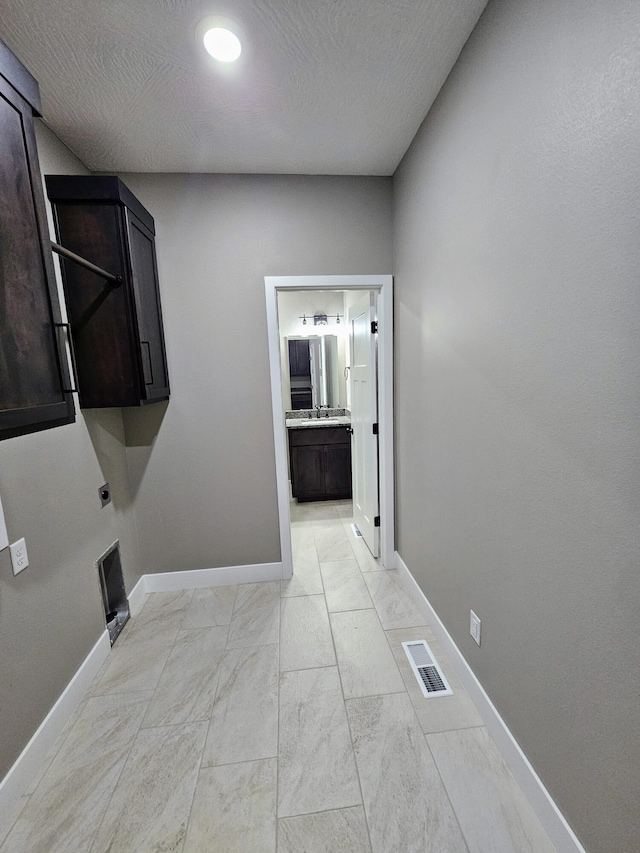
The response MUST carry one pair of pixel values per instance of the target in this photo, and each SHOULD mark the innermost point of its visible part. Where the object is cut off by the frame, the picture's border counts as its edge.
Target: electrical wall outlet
(474, 626)
(19, 556)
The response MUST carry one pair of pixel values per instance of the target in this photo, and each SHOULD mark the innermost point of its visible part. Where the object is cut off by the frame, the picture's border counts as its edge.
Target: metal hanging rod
(67, 253)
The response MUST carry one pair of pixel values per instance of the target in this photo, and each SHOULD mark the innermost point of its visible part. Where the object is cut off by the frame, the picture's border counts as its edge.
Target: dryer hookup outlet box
(474, 626)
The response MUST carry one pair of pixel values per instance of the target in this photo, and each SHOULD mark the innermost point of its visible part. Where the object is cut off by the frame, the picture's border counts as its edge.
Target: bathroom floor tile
(345, 509)
(63, 813)
(234, 809)
(10, 811)
(331, 542)
(363, 555)
(306, 578)
(405, 801)
(187, 686)
(344, 586)
(367, 666)
(317, 770)
(395, 608)
(340, 831)
(322, 511)
(150, 806)
(244, 721)
(492, 810)
(256, 615)
(136, 662)
(158, 603)
(210, 607)
(305, 634)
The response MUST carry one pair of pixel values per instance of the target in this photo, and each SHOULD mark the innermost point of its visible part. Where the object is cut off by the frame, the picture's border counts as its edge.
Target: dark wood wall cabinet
(116, 329)
(35, 391)
(320, 463)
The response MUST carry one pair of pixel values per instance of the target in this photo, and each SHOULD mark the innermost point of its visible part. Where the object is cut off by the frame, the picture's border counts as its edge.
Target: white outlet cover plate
(19, 556)
(4, 539)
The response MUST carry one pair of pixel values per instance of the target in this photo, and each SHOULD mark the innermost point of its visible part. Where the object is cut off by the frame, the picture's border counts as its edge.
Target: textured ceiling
(323, 86)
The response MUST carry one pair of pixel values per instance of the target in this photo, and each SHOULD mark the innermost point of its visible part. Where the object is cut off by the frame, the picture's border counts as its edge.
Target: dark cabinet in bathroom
(116, 330)
(320, 463)
(299, 363)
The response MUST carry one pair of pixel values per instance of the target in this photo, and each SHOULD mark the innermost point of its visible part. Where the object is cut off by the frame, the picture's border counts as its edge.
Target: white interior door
(364, 414)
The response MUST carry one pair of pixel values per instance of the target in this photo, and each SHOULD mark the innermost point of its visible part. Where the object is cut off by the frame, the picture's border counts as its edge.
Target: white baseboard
(201, 578)
(138, 596)
(549, 815)
(32, 757)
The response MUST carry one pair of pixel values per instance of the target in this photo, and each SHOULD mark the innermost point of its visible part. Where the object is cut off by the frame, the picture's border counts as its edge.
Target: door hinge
(374, 327)
(375, 429)
(376, 521)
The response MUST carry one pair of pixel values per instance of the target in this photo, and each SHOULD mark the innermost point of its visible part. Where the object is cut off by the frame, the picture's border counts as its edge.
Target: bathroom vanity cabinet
(116, 329)
(35, 390)
(320, 463)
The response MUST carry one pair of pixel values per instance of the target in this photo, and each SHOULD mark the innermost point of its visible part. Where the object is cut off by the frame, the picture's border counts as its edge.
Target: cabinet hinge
(376, 521)
(374, 327)
(375, 429)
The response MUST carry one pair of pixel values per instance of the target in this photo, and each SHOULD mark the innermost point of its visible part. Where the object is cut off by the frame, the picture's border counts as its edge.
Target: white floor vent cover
(356, 532)
(428, 674)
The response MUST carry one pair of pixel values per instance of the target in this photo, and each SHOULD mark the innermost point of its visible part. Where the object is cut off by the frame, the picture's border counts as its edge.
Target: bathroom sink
(320, 421)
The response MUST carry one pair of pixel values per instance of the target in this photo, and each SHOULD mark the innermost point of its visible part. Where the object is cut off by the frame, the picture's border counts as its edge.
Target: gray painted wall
(51, 613)
(518, 325)
(203, 467)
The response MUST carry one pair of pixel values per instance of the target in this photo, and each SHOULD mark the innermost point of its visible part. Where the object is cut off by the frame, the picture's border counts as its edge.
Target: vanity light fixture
(321, 319)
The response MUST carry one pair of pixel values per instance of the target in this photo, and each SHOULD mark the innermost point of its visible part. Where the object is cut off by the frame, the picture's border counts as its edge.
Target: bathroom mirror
(314, 371)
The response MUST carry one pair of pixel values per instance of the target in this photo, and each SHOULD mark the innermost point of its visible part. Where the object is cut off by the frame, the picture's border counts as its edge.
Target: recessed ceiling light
(222, 44)
(222, 39)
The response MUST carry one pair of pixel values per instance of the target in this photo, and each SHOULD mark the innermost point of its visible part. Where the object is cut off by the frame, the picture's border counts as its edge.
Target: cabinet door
(99, 313)
(144, 277)
(34, 382)
(308, 471)
(338, 470)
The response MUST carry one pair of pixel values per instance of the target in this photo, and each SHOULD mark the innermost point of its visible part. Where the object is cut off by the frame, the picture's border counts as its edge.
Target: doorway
(383, 286)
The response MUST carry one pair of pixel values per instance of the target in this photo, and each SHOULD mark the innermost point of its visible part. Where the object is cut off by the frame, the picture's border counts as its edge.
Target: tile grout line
(171, 648)
(135, 735)
(16, 819)
(419, 725)
(204, 746)
(346, 713)
(444, 788)
(337, 666)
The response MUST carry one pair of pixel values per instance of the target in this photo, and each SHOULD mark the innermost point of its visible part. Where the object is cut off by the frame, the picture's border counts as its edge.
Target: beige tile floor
(276, 716)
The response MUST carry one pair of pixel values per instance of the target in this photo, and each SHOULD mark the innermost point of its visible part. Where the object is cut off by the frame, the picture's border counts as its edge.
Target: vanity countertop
(313, 423)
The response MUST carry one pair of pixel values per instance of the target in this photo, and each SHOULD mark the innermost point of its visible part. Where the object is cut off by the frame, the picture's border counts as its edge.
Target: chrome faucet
(317, 408)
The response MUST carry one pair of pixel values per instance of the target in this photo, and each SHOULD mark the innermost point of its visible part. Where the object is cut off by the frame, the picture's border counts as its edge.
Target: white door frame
(384, 285)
